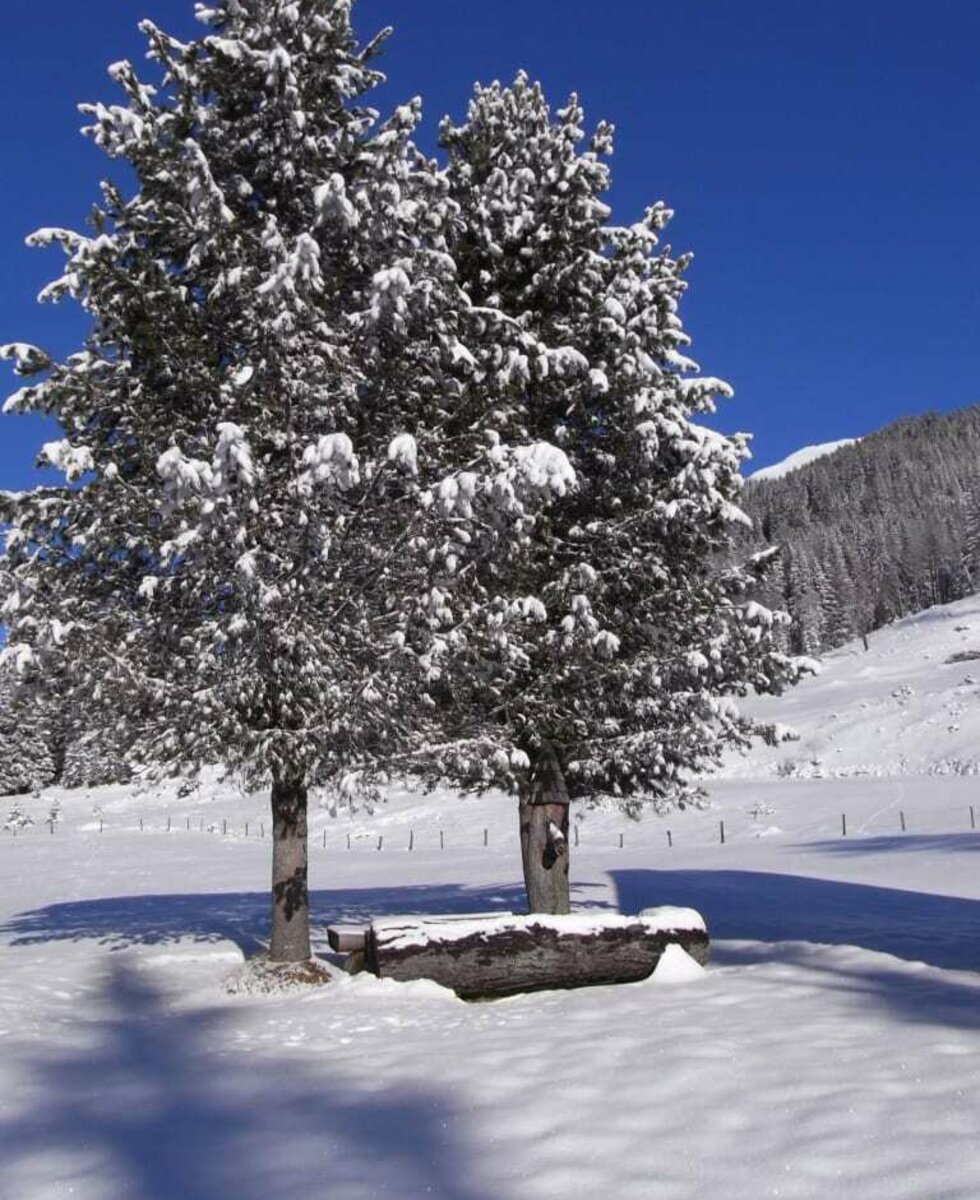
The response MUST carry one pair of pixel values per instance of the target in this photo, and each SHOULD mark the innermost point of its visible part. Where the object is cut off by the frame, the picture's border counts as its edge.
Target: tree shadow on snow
(921, 996)
(907, 843)
(243, 917)
(940, 931)
(142, 1102)
(943, 931)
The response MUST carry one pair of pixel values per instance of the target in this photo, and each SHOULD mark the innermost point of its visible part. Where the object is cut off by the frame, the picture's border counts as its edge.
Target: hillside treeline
(887, 526)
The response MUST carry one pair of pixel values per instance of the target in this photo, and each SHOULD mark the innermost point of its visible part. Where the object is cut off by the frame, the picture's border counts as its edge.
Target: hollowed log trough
(486, 955)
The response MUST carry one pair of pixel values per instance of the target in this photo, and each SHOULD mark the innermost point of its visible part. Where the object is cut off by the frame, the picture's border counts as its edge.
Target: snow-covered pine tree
(18, 819)
(600, 643)
(971, 536)
(802, 596)
(26, 761)
(837, 597)
(266, 387)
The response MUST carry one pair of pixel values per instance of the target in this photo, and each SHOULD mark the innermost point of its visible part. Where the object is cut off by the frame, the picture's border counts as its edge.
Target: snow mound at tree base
(262, 977)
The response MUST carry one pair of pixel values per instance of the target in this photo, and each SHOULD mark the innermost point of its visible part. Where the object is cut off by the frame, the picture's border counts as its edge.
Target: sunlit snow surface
(800, 458)
(831, 1049)
(908, 704)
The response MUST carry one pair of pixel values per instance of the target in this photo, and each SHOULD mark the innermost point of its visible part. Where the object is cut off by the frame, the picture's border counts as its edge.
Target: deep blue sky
(822, 158)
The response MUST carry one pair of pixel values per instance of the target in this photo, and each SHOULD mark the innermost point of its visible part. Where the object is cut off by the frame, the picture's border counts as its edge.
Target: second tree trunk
(543, 814)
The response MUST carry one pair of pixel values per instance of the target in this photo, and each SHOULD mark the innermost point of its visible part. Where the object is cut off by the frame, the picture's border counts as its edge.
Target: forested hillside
(878, 529)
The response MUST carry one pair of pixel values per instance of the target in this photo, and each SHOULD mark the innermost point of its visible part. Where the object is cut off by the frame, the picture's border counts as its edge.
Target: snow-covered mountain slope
(909, 704)
(799, 458)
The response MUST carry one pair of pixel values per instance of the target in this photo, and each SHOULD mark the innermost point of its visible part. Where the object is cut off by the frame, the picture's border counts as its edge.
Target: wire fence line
(908, 822)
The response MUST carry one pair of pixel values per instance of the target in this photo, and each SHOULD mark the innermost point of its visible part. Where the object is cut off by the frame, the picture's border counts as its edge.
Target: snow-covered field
(832, 1049)
(909, 704)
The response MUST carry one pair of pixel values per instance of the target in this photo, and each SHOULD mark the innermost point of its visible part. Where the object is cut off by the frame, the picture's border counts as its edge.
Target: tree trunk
(543, 813)
(290, 897)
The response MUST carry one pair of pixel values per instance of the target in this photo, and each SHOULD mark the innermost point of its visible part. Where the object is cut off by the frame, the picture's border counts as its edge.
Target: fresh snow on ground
(830, 1049)
(800, 458)
(909, 704)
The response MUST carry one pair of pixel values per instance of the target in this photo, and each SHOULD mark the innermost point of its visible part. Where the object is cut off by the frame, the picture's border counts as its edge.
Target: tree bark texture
(290, 897)
(543, 815)
(525, 957)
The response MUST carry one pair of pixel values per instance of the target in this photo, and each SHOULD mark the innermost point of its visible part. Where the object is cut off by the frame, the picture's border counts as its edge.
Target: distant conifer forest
(886, 526)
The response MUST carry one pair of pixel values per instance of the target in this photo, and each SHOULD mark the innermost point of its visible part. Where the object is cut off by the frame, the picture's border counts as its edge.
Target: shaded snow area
(800, 458)
(909, 704)
(830, 1049)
